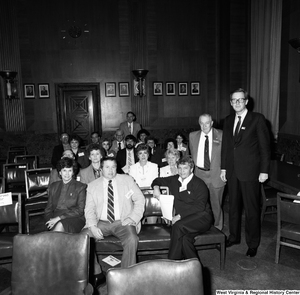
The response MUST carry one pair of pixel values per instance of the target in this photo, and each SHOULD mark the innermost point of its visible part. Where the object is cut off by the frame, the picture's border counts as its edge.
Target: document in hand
(166, 203)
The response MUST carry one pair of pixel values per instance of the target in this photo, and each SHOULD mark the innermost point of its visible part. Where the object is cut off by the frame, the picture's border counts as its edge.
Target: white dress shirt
(201, 148)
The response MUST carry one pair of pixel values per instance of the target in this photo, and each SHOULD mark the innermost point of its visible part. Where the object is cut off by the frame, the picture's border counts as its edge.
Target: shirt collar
(187, 180)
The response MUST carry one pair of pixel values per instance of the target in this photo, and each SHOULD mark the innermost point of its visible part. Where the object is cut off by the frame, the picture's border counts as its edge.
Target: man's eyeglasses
(239, 100)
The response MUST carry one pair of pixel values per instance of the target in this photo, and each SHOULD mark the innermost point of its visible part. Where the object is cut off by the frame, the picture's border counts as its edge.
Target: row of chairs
(32, 184)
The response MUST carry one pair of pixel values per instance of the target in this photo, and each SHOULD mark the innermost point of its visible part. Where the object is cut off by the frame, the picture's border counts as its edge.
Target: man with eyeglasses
(245, 160)
(59, 149)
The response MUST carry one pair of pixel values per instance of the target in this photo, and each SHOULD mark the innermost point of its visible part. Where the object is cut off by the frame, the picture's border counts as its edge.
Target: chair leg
(27, 222)
(222, 255)
(277, 251)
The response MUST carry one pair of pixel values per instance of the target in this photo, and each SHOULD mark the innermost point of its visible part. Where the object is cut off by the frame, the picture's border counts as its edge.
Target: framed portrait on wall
(44, 91)
(29, 91)
(110, 89)
(123, 89)
(157, 88)
(170, 88)
(195, 88)
(182, 88)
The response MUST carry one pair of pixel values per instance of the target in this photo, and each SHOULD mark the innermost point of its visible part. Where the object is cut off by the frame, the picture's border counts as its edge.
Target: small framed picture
(182, 88)
(29, 91)
(157, 88)
(44, 91)
(170, 88)
(123, 89)
(195, 88)
(110, 89)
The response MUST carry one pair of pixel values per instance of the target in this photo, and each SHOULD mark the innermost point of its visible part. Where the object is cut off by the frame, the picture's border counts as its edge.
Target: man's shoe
(99, 280)
(251, 252)
(230, 243)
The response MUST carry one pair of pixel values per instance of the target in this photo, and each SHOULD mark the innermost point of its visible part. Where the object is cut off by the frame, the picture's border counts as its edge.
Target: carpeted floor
(258, 273)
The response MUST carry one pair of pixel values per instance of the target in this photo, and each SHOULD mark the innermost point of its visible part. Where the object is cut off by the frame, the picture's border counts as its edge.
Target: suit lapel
(245, 125)
(196, 144)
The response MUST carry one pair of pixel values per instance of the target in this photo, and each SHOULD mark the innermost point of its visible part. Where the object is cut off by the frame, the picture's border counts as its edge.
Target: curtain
(266, 19)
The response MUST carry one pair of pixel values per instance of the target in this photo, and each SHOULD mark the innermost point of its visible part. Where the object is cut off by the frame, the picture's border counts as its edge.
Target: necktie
(129, 159)
(129, 127)
(97, 173)
(119, 146)
(237, 128)
(110, 203)
(206, 154)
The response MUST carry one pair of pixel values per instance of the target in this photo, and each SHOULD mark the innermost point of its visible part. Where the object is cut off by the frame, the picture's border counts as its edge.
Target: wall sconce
(295, 43)
(139, 83)
(11, 85)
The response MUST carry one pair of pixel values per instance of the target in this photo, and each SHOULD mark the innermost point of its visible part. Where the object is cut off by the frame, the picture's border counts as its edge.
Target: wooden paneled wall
(195, 40)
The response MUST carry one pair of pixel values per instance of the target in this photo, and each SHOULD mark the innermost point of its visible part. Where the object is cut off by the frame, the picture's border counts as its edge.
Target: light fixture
(11, 85)
(139, 83)
(295, 43)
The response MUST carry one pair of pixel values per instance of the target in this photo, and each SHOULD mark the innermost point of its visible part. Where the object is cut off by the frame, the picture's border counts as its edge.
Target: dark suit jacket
(121, 160)
(194, 200)
(75, 200)
(249, 154)
(56, 154)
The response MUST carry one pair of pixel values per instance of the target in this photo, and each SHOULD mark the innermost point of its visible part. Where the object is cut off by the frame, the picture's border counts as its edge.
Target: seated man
(59, 149)
(114, 206)
(127, 157)
(193, 215)
(156, 153)
(118, 143)
(95, 153)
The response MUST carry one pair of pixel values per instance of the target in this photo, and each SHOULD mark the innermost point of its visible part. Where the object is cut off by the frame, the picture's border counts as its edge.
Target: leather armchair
(157, 277)
(51, 263)
(288, 222)
(9, 215)
(37, 181)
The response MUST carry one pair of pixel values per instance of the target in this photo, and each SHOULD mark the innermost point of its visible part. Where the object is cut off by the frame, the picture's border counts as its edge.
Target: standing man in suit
(127, 157)
(95, 153)
(114, 206)
(245, 160)
(208, 141)
(130, 126)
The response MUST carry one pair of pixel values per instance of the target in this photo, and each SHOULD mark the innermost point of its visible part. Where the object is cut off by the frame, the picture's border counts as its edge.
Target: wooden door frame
(60, 88)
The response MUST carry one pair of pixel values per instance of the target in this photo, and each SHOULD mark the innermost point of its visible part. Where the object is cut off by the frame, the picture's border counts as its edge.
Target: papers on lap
(166, 203)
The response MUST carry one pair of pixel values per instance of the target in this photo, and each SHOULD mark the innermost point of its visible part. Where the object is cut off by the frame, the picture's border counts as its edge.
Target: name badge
(5, 199)
(129, 194)
(81, 154)
(183, 148)
(164, 160)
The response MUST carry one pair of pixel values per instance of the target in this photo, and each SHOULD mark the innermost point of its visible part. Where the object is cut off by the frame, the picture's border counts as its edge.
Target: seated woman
(66, 200)
(181, 144)
(169, 144)
(80, 154)
(193, 214)
(172, 157)
(54, 175)
(141, 136)
(143, 171)
(106, 144)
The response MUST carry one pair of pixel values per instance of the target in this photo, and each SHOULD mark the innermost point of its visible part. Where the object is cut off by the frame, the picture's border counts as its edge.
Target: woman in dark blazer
(66, 200)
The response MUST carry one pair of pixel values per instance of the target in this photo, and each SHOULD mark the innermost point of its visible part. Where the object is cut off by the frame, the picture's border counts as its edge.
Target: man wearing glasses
(245, 159)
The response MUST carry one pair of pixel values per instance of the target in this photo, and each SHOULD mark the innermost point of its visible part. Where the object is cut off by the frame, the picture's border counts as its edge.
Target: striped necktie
(237, 128)
(110, 203)
(129, 159)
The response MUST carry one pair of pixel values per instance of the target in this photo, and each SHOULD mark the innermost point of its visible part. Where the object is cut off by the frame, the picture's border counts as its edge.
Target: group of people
(107, 199)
